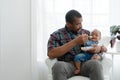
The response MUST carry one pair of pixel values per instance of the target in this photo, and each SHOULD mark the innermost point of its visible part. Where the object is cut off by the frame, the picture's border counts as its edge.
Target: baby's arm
(95, 49)
(87, 48)
(99, 55)
(103, 49)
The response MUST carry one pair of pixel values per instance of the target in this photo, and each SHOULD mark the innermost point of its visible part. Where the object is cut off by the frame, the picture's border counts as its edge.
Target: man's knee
(58, 67)
(96, 65)
(96, 69)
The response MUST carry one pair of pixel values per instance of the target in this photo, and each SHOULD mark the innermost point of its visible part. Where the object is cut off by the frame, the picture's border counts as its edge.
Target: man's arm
(61, 50)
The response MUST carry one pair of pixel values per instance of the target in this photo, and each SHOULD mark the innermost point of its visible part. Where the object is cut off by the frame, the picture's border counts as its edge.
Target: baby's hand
(103, 48)
(94, 45)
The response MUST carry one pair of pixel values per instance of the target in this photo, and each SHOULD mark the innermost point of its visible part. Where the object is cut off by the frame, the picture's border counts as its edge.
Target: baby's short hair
(97, 31)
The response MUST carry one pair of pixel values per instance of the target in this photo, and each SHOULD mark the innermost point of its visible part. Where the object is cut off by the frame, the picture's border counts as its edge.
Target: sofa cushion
(78, 77)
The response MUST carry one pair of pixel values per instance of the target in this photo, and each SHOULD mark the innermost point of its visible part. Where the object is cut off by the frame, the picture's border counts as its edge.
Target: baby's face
(96, 35)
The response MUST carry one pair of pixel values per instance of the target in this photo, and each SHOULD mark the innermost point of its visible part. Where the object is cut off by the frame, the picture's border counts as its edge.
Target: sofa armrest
(107, 65)
(50, 63)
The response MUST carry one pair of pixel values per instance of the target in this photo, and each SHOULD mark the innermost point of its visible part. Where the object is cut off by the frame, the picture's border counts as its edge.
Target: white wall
(15, 56)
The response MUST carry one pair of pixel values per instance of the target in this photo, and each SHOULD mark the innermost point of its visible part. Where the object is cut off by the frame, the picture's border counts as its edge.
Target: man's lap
(90, 66)
(68, 67)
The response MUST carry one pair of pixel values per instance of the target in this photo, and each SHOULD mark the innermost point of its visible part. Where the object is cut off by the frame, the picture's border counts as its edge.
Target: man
(65, 43)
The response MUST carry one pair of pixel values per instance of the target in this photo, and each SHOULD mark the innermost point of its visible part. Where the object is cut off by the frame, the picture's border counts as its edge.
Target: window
(52, 15)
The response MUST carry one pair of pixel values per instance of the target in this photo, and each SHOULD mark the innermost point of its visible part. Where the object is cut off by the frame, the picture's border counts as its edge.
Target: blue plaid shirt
(62, 36)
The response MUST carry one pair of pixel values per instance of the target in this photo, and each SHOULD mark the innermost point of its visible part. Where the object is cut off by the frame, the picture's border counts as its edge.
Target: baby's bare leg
(77, 64)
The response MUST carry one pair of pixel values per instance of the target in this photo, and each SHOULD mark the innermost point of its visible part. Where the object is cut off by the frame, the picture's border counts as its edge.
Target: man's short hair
(70, 15)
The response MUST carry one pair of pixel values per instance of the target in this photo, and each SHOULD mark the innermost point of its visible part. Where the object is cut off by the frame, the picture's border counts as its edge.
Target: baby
(89, 45)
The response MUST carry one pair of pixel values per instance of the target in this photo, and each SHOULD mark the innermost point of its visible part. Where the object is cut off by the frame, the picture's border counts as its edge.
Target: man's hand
(103, 48)
(81, 39)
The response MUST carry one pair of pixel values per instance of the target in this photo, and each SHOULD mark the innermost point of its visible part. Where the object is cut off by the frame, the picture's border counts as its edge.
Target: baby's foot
(96, 57)
(77, 71)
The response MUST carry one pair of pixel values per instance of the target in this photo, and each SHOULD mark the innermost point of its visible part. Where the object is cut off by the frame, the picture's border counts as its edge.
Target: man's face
(76, 26)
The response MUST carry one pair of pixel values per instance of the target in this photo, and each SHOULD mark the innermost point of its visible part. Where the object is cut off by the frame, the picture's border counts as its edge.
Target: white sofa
(106, 62)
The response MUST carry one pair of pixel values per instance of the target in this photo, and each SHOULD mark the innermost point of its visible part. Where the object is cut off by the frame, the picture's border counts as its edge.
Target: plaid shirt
(62, 36)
